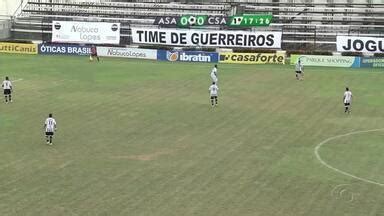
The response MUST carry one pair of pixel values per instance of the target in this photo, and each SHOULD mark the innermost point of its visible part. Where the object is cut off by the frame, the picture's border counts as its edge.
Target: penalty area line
(318, 146)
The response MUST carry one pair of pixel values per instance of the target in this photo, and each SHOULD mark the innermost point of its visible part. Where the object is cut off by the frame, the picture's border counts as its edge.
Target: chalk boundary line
(318, 146)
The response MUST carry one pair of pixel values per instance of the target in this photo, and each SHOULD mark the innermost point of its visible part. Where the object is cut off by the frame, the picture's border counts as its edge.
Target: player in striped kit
(347, 100)
(50, 128)
(299, 70)
(213, 92)
(7, 87)
(214, 74)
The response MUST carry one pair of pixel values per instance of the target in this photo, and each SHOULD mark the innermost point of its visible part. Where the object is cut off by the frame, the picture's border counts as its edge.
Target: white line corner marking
(338, 170)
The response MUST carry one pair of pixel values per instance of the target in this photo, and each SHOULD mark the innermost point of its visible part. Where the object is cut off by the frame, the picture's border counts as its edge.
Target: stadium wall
(5, 29)
(8, 7)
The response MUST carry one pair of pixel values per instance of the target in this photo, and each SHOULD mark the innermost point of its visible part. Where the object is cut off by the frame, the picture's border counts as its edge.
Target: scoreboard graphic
(186, 21)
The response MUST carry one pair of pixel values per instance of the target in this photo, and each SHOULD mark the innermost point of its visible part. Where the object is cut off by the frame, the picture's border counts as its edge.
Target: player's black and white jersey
(50, 125)
(214, 74)
(299, 67)
(7, 84)
(347, 97)
(213, 90)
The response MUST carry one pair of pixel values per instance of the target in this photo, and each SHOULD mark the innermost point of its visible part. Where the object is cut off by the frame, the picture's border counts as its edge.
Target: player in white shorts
(50, 128)
(7, 87)
(347, 100)
(214, 74)
(213, 91)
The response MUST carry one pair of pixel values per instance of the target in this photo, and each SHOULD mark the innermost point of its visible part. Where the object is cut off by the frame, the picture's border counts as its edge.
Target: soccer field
(140, 138)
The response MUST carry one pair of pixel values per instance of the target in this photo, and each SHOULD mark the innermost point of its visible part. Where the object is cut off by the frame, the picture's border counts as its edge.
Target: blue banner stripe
(187, 56)
(63, 49)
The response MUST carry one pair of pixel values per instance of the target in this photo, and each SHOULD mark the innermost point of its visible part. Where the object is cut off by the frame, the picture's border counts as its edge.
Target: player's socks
(50, 139)
(10, 98)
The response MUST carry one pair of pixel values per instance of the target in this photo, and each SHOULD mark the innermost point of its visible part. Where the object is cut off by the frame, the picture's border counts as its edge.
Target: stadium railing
(37, 15)
(118, 9)
(304, 25)
(316, 24)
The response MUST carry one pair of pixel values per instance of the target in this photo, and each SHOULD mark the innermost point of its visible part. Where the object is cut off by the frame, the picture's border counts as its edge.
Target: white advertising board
(360, 44)
(85, 32)
(183, 37)
(127, 52)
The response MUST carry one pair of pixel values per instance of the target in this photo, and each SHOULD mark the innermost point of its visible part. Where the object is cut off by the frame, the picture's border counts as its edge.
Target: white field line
(335, 189)
(318, 146)
(17, 80)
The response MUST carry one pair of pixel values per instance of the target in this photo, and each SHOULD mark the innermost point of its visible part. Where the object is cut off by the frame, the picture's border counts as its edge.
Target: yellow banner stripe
(20, 48)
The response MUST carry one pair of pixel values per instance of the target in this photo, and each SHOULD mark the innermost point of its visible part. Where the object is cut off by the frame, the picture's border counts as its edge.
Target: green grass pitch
(140, 138)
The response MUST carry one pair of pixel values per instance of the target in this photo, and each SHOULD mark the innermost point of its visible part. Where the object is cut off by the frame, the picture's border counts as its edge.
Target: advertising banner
(63, 49)
(181, 37)
(123, 52)
(85, 32)
(187, 56)
(360, 44)
(372, 62)
(330, 61)
(20, 48)
(252, 58)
